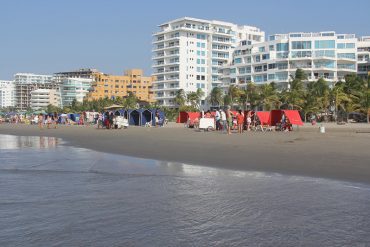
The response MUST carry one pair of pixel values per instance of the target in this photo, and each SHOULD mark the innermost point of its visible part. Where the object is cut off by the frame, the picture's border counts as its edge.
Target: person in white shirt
(218, 119)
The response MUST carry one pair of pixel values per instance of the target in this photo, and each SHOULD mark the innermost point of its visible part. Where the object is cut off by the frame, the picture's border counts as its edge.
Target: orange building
(120, 85)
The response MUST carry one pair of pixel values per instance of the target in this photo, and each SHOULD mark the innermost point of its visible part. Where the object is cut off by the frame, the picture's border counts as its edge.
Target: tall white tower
(188, 53)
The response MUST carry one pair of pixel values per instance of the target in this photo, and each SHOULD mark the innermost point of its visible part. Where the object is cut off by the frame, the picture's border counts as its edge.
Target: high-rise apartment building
(7, 93)
(41, 98)
(74, 89)
(25, 83)
(321, 55)
(363, 56)
(112, 86)
(188, 53)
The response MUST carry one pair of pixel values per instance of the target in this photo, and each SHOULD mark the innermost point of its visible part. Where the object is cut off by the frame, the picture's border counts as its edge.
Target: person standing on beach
(218, 119)
(41, 121)
(229, 119)
(249, 120)
(240, 121)
(223, 120)
(56, 119)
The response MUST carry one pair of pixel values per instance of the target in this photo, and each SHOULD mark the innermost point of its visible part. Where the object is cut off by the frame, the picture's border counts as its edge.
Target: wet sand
(342, 153)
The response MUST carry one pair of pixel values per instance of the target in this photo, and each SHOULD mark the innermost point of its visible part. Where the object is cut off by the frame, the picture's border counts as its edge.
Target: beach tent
(134, 117)
(292, 115)
(264, 117)
(146, 117)
(161, 114)
(185, 116)
(117, 113)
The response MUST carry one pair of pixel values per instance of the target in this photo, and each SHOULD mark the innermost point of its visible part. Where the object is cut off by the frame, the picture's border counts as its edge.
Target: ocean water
(56, 195)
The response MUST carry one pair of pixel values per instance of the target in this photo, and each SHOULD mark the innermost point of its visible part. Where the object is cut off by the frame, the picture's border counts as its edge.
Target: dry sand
(341, 153)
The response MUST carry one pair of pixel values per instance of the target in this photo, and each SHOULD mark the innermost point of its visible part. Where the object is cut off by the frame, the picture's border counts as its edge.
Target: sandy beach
(341, 153)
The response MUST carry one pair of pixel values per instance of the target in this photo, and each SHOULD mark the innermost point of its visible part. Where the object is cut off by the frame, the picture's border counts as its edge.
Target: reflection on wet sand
(37, 142)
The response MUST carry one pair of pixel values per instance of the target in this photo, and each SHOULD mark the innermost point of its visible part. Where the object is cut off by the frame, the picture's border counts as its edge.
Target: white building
(363, 56)
(74, 88)
(188, 52)
(7, 93)
(29, 78)
(25, 83)
(321, 55)
(41, 98)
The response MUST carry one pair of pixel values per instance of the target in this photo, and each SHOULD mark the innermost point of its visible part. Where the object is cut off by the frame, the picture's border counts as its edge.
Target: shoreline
(342, 153)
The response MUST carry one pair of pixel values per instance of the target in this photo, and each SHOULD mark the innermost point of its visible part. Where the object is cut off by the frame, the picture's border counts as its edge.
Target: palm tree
(268, 96)
(194, 98)
(234, 93)
(215, 98)
(180, 98)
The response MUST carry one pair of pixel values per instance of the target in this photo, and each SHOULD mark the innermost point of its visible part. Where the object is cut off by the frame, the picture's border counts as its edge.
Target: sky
(48, 36)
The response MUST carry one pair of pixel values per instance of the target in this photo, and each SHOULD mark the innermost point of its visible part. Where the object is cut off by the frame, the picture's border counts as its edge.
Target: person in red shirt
(240, 121)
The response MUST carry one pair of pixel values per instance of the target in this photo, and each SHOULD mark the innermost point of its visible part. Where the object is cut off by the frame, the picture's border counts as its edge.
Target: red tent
(292, 115)
(264, 117)
(184, 116)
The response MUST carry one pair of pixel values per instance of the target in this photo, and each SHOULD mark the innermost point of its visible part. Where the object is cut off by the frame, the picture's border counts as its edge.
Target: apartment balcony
(328, 78)
(346, 68)
(156, 65)
(158, 41)
(304, 67)
(346, 59)
(323, 68)
(166, 88)
(323, 57)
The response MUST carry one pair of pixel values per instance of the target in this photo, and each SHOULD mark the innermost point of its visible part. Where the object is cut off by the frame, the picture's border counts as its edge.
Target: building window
(324, 44)
(299, 45)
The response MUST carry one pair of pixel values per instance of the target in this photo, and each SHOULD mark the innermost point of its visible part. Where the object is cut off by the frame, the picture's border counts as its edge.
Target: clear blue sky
(47, 36)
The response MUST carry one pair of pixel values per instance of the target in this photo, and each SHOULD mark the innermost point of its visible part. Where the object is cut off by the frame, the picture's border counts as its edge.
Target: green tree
(194, 98)
(268, 97)
(180, 98)
(131, 100)
(216, 97)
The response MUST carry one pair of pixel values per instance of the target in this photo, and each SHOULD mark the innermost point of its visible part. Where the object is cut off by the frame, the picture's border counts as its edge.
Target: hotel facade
(321, 55)
(188, 54)
(112, 86)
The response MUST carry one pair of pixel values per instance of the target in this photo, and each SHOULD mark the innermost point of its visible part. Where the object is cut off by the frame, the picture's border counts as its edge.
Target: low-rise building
(41, 98)
(112, 86)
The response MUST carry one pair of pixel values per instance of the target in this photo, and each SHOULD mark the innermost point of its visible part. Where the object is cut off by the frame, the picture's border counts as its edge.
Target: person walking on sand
(41, 121)
(229, 119)
(249, 120)
(240, 121)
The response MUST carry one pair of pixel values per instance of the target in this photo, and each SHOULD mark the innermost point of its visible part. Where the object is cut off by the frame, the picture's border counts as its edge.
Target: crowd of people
(240, 121)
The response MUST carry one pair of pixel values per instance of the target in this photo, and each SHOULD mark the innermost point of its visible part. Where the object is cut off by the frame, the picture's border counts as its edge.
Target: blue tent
(160, 113)
(74, 117)
(123, 113)
(134, 117)
(146, 117)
